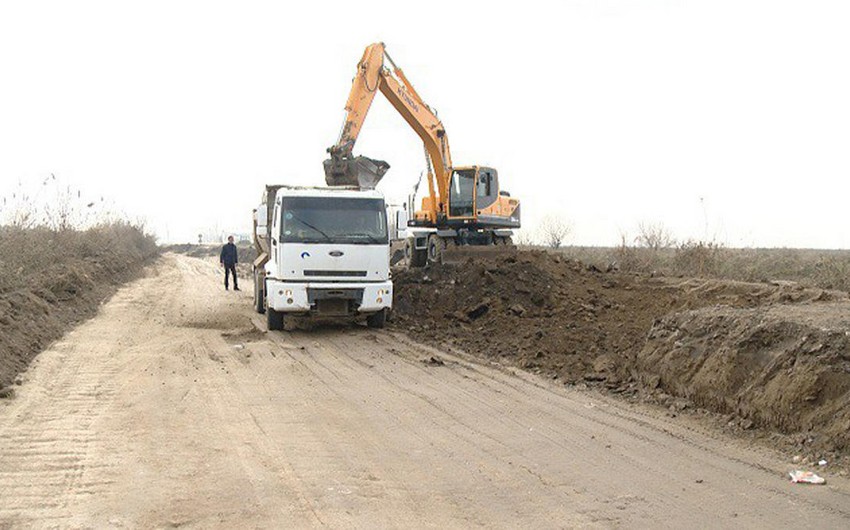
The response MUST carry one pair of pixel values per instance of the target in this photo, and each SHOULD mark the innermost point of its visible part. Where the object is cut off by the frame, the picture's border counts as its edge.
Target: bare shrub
(699, 258)
(628, 257)
(646, 252)
(832, 272)
(654, 236)
(554, 230)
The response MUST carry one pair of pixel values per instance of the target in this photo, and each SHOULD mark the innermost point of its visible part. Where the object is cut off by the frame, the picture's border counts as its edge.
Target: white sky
(605, 112)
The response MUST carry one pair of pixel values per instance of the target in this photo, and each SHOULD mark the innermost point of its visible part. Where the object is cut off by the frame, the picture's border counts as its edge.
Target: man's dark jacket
(228, 254)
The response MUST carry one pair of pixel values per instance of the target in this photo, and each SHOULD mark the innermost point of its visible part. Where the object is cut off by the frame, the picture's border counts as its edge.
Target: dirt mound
(562, 319)
(57, 278)
(532, 309)
(770, 366)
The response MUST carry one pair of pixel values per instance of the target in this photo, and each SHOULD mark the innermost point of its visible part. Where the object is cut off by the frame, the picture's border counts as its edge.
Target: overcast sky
(726, 120)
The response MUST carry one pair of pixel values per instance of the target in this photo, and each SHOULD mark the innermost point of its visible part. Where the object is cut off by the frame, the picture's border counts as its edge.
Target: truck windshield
(334, 220)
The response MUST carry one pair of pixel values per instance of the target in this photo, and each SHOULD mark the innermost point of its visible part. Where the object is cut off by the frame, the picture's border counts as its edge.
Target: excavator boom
(343, 168)
(372, 76)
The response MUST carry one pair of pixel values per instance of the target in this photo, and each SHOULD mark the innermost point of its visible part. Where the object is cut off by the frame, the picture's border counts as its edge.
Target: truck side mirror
(262, 218)
(401, 219)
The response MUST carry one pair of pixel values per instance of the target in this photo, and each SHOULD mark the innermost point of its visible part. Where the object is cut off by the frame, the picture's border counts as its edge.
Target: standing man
(228, 259)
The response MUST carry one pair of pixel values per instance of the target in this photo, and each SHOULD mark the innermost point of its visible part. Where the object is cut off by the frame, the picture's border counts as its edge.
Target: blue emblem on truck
(305, 255)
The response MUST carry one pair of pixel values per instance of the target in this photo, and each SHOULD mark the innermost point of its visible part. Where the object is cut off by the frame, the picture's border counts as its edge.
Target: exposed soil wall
(758, 351)
(773, 366)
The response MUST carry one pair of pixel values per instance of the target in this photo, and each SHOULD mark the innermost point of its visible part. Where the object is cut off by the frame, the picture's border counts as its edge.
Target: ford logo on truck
(336, 253)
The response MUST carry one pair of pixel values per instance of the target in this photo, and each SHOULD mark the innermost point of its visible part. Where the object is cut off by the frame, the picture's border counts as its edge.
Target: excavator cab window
(488, 187)
(484, 180)
(461, 199)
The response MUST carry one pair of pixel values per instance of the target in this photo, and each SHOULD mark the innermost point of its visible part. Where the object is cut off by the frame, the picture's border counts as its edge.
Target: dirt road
(171, 408)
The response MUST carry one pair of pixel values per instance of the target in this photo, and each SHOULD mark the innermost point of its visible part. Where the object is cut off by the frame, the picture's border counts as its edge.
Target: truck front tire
(377, 320)
(274, 319)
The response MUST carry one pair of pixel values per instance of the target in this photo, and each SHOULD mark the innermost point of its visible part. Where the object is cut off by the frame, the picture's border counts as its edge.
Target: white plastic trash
(806, 477)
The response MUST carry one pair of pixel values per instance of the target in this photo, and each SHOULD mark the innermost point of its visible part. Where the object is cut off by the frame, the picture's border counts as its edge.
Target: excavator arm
(343, 168)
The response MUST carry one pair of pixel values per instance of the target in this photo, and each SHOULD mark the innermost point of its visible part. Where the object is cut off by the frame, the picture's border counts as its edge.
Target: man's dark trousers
(228, 270)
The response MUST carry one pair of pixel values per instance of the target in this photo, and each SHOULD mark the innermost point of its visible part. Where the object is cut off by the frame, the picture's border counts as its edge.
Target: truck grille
(325, 274)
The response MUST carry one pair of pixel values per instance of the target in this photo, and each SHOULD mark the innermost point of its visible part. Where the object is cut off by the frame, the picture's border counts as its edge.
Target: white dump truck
(322, 252)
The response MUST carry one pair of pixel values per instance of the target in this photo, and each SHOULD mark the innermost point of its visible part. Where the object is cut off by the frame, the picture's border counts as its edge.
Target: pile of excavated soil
(559, 318)
(773, 366)
(59, 279)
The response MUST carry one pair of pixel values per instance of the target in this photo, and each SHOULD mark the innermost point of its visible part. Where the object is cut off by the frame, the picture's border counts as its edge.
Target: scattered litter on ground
(806, 477)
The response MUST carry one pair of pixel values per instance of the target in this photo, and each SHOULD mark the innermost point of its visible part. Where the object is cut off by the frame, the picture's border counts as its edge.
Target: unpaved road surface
(171, 408)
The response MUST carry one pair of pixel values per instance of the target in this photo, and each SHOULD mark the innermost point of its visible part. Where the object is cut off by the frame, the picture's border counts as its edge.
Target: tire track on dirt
(657, 434)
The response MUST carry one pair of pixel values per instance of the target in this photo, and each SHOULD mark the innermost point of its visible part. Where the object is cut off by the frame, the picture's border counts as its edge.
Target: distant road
(171, 408)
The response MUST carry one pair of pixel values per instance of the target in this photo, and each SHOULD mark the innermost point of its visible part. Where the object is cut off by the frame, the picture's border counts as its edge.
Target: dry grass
(59, 261)
(826, 269)
(42, 257)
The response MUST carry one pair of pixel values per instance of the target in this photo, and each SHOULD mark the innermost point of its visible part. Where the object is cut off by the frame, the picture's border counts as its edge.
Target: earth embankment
(770, 355)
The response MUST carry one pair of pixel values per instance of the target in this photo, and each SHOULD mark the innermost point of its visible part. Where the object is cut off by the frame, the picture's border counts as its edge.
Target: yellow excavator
(464, 206)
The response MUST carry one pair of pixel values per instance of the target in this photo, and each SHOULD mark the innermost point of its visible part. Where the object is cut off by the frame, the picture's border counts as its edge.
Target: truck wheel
(259, 294)
(414, 258)
(377, 320)
(435, 249)
(274, 319)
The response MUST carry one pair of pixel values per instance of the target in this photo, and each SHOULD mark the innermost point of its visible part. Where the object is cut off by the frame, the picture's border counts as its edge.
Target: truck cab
(323, 252)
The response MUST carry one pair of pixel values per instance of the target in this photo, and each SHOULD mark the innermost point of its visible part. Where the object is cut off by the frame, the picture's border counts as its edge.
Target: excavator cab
(472, 191)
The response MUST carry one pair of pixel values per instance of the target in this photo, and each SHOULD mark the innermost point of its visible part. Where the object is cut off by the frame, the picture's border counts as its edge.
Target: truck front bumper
(291, 297)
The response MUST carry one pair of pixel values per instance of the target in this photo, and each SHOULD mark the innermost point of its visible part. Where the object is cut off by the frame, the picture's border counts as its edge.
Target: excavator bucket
(360, 171)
